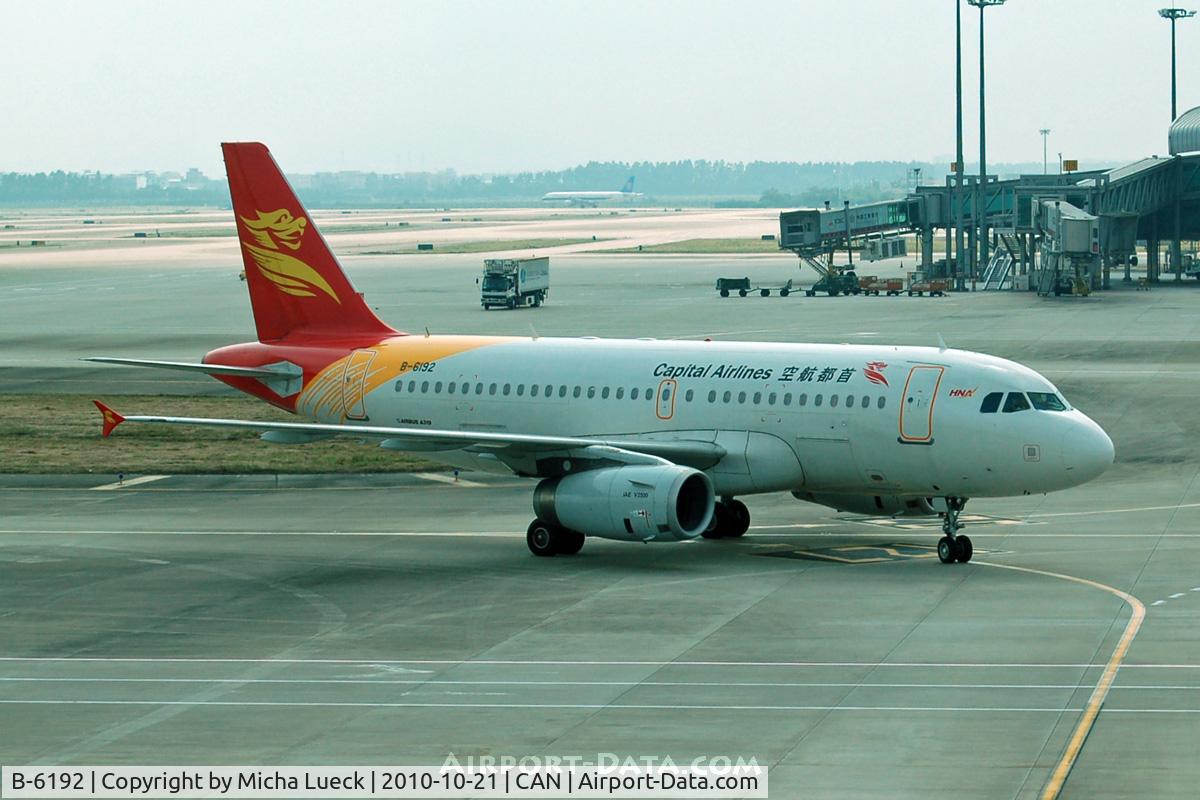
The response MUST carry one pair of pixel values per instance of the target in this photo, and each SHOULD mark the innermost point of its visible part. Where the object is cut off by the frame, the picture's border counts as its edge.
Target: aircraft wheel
(965, 549)
(739, 518)
(568, 543)
(947, 550)
(720, 524)
(541, 538)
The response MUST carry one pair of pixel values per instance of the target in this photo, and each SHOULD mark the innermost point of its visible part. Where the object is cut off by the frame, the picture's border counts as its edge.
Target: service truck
(513, 282)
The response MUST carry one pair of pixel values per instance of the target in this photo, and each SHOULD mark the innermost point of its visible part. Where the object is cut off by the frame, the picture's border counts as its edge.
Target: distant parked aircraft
(592, 198)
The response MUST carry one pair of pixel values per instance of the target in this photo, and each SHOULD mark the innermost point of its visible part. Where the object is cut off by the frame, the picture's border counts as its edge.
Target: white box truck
(514, 282)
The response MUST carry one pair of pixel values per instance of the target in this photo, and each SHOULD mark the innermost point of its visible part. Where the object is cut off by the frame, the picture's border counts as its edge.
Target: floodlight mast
(959, 263)
(1045, 132)
(980, 189)
(1174, 14)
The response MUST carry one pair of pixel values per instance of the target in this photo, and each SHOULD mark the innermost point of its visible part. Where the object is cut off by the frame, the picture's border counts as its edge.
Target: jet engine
(878, 505)
(632, 503)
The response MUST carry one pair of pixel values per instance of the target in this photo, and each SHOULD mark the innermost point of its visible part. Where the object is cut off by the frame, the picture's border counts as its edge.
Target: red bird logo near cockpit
(874, 372)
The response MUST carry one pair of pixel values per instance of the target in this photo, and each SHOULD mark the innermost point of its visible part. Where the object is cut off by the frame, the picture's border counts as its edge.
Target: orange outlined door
(666, 398)
(916, 407)
(354, 380)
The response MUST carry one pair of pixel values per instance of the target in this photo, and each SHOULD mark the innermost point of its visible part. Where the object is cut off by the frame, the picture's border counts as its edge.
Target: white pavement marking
(589, 663)
(127, 483)
(1177, 594)
(595, 706)
(975, 533)
(1158, 602)
(459, 534)
(634, 682)
(1116, 510)
(439, 478)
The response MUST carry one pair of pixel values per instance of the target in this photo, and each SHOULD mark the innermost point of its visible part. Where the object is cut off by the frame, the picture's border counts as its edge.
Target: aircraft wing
(511, 448)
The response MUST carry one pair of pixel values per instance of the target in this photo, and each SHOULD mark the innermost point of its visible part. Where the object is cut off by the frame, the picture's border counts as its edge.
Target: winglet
(111, 418)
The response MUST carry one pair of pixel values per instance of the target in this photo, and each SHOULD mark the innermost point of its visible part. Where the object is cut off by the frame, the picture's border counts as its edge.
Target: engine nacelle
(878, 505)
(633, 503)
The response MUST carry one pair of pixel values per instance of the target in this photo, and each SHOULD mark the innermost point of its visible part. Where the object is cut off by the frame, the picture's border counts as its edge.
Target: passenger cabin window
(991, 403)
(633, 394)
(520, 389)
(1047, 401)
(1015, 402)
(620, 392)
(866, 401)
(712, 396)
(689, 395)
(882, 402)
(604, 393)
(533, 390)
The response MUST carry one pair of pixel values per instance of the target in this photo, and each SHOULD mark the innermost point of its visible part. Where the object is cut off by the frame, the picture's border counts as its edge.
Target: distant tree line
(767, 183)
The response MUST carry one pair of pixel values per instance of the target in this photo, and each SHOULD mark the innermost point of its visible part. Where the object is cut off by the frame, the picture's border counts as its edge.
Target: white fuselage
(841, 419)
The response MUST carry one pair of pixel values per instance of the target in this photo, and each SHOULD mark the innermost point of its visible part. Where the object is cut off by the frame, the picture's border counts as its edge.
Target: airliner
(634, 440)
(592, 198)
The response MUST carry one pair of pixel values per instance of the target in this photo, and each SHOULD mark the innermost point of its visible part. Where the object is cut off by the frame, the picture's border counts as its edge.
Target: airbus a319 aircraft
(635, 440)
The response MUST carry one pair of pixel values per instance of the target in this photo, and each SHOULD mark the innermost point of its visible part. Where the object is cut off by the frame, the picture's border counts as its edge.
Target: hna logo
(962, 392)
(874, 372)
(289, 274)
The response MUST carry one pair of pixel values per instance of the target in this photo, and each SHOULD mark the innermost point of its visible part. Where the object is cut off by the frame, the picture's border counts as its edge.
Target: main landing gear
(951, 547)
(545, 539)
(730, 518)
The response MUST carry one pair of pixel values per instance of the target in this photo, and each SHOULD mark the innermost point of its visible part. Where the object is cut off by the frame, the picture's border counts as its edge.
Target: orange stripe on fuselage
(324, 396)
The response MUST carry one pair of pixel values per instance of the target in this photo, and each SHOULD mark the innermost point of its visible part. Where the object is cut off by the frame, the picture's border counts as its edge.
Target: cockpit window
(1015, 402)
(991, 403)
(1047, 401)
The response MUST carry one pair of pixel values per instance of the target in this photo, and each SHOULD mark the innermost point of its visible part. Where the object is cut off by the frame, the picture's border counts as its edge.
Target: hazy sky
(506, 86)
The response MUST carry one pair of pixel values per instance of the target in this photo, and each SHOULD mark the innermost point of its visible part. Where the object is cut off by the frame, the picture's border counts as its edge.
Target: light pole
(1174, 14)
(1045, 132)
(958, 161)
(981, 189)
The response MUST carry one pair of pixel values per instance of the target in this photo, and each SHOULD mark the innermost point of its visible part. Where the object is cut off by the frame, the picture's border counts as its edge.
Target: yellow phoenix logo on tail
(290, 274)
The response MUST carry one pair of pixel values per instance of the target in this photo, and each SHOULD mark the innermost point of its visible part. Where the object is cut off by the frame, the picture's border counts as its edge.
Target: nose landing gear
(952, 547)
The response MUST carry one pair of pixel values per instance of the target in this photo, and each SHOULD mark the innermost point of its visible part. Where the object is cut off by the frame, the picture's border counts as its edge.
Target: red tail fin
(297, 287)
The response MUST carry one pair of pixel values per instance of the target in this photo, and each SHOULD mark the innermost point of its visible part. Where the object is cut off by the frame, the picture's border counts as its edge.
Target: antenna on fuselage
(533, 331)
(426, 331)
(942, 343)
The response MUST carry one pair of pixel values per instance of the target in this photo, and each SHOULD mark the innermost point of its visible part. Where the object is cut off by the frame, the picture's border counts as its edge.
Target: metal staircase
(999, 272)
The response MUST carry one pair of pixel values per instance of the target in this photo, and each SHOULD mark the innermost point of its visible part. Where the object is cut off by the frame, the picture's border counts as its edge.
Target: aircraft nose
(1086, 450)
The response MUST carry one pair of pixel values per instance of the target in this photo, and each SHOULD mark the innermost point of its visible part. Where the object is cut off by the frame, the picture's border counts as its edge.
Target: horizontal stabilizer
(263, 373)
